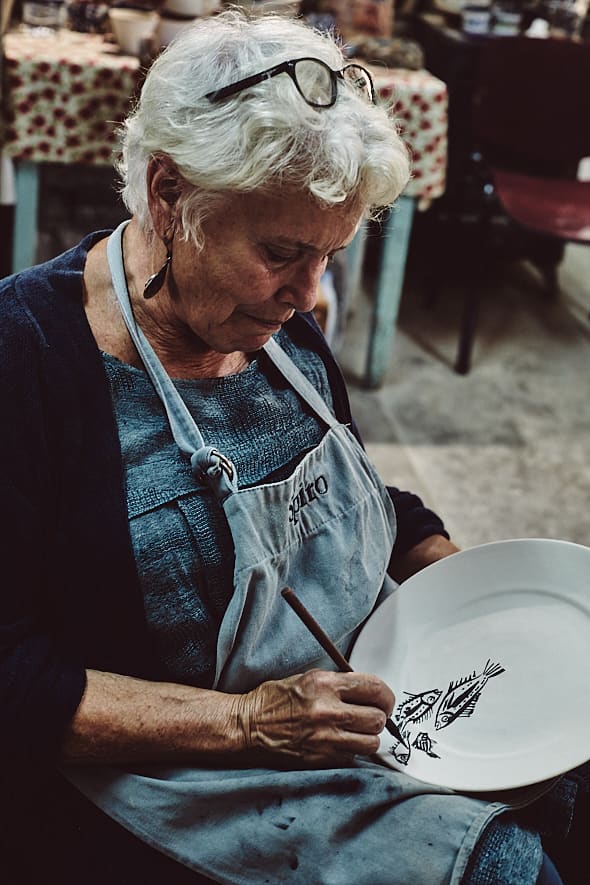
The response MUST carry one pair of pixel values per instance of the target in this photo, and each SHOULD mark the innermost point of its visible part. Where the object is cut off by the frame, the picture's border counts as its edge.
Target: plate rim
(484, 784)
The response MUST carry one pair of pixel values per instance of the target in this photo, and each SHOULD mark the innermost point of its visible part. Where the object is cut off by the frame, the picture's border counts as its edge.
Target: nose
(301, 288)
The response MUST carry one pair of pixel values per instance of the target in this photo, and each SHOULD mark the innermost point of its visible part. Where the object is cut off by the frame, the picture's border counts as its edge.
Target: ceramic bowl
(131, 27)
(168, 28)
(278, 7)
(190, 8)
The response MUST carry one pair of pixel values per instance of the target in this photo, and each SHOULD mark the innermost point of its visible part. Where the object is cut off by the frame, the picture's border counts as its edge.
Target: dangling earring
(154, 283)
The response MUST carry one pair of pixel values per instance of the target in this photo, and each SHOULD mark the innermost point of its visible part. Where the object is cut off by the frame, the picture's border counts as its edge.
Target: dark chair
(531, 128)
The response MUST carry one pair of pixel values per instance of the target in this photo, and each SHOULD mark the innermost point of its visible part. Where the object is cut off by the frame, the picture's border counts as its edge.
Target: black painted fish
(463, 695)
(424, 742)
(401, 750)
(418, 706)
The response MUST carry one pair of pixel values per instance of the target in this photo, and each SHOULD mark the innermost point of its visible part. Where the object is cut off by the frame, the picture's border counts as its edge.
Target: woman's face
(262, 260)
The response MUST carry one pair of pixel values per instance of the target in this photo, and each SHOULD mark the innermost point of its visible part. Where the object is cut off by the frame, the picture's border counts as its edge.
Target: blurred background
(471, 302)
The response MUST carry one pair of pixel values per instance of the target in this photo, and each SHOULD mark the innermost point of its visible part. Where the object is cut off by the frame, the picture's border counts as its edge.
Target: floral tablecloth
(66, 95)
(420, 104)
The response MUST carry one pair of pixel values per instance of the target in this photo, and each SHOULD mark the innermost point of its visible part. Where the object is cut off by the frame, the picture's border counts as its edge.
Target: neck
(181, 363)
(182, 353)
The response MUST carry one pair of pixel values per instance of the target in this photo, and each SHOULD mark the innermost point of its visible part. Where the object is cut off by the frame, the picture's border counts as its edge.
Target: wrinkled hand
(317, 717)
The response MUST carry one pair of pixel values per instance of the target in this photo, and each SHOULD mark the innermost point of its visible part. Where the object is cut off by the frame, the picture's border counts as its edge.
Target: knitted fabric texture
(506, 854)
(181, 540)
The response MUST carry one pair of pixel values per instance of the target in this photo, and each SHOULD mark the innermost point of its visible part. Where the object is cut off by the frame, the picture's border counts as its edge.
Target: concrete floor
(501, 452)
(504, 451)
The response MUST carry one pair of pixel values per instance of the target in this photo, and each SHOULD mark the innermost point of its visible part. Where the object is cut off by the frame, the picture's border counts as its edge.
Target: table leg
(27, 177)
(395, 239)
(355, 254)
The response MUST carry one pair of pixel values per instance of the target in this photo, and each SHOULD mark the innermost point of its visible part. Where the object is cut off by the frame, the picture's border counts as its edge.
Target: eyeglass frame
(288, 67)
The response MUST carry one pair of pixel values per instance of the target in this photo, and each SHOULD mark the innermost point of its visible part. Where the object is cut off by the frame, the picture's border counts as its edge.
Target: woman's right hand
(319, 717)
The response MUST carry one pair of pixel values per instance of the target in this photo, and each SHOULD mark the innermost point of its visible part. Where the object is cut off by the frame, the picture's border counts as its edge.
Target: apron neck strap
(298, 381)
(187, 435)
(207, 463)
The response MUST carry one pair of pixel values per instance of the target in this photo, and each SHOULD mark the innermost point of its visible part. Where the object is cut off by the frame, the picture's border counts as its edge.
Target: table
(67, 94)
(419, 102)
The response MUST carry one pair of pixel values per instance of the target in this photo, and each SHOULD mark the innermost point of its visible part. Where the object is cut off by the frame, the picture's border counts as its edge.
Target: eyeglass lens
(315, 82)
(359, 79)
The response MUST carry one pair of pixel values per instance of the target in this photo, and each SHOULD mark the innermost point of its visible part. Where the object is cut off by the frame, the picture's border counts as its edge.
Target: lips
(267, 323)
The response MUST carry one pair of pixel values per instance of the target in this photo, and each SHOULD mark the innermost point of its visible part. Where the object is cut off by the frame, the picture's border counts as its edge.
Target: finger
(334, 743)
(361, 719)
(366, 688)
(359, 687)
(353, 702)
(347, 743)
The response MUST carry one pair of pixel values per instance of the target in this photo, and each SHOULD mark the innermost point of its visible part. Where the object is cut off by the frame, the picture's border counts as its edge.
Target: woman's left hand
(429, 550)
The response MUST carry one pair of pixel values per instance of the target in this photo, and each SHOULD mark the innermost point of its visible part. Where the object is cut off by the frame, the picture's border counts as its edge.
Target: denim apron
(326, 531)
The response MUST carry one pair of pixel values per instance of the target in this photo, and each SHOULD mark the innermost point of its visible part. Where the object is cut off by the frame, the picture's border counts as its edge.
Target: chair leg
(467, 334)
(547, 255)
(477, 262)
(551, 277)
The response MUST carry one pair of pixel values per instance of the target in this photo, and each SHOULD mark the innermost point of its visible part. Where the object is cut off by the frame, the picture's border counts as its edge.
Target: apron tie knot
(215, 470)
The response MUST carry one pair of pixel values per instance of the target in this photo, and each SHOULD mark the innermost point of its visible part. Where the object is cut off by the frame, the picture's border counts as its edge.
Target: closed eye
(280, 257)
(276, 256)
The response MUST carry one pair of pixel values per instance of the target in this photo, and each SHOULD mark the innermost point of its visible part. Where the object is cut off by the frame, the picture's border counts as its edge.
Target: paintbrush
(329, 647)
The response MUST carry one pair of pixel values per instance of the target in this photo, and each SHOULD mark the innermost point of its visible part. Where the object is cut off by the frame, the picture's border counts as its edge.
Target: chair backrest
(531, 103)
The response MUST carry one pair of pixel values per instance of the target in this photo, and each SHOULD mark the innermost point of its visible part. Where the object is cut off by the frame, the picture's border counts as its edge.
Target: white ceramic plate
(488, 654)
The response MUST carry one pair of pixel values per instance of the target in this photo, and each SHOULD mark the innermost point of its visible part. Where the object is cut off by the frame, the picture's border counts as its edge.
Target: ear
(163, 189)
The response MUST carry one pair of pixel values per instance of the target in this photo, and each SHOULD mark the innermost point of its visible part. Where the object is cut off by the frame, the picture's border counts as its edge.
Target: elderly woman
(178, 448)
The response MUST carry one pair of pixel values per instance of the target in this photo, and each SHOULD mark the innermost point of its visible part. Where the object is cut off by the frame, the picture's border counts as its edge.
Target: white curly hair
(263, 138)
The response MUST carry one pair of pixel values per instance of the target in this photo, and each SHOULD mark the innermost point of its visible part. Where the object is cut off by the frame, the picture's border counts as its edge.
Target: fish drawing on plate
(460, 699)
(401, 750)
(425, 743)
(415, 709)
(418, 707)
(463, 695)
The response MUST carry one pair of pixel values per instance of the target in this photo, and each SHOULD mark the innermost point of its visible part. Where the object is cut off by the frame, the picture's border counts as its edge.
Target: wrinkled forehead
(297, 217)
